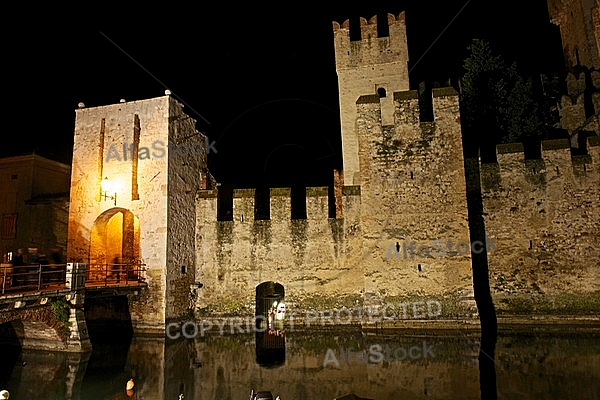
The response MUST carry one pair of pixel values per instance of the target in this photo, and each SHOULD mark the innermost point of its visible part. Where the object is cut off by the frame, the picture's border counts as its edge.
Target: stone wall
(543, 215)
(35, 327)
(307, 256)
(401, 221)
(413, 190)
(185, 168)
(580, 32)
(579, 22)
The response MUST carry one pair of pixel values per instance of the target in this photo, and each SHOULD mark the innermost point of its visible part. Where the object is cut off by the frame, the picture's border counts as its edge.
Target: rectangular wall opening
(225, 202)
(262, 204)
(298, 202)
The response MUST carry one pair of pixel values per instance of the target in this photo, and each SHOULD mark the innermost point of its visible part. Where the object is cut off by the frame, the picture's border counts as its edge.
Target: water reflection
(487, 365)
(43, 375)
(270, 348)
(225, 367)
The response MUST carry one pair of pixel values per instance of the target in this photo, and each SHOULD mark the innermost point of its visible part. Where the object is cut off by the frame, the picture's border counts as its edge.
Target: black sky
(259, 79)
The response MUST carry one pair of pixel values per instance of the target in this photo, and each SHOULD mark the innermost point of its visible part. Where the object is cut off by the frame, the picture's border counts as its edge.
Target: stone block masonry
(544, 214)
(412, 188)
(372, 64)
(148, 222)
(235, 256)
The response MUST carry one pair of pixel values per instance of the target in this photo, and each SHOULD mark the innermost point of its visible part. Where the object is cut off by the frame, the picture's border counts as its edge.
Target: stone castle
(401, 223)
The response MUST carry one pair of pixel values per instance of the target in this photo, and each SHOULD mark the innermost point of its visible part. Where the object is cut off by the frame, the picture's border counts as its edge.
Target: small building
(34, 204)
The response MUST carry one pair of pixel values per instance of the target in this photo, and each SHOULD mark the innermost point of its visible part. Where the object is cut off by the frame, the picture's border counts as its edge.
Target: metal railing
(32, 277)
(16, 279)
(115, 274)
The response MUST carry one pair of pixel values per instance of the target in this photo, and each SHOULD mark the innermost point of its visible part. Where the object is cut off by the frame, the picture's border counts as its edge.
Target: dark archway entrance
(270, 334)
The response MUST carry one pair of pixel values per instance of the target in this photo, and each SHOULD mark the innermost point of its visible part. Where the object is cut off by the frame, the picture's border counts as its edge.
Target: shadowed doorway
(270, 335)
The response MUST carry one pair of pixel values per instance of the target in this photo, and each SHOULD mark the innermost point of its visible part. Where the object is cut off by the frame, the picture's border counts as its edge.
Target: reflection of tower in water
(270, 315)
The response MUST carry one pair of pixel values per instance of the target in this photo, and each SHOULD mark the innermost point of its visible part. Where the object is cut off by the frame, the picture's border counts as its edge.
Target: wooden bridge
(27, 293)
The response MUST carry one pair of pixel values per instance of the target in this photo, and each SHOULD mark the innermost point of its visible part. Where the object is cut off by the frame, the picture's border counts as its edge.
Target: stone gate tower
(153, 157)
(408, 171)
(372, 65)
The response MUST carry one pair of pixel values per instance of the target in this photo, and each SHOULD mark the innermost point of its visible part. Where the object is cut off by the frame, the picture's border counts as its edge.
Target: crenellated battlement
(404, 179)
(368, 28)
(551, 150)
(549, 160)
(541, 203)
(406, 107)
(409, 153)
(374, 65)
(280, 202)
(372, 48)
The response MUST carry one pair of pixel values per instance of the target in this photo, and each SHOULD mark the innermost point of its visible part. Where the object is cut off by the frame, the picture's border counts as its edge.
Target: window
(9, 226)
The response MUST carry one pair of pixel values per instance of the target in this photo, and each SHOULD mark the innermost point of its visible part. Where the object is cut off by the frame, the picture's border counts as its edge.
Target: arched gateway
(114, 246)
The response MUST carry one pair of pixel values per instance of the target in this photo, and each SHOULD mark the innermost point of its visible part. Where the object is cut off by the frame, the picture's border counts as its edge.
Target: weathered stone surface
(544, 216)
(37, 328)
(155, 196)
(365, 67)
(579, 22)
(580, 30)
(412, 189)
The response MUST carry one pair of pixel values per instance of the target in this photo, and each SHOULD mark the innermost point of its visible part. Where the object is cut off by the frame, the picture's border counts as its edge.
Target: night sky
(260, 80)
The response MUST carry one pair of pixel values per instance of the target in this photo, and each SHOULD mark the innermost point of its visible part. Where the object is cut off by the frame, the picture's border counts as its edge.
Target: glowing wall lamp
(109, 187)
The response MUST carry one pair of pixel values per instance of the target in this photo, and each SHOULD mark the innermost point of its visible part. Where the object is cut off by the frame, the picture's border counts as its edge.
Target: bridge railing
(46, 277)
(111, 274)
(31, 277)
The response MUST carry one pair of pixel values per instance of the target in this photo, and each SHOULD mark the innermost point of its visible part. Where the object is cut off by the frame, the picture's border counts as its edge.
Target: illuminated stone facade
(151, 220)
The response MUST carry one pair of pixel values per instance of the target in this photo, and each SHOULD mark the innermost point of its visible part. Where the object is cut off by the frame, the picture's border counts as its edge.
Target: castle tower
(413, 200)
(372, 65)
(579, 22)
(152, 155)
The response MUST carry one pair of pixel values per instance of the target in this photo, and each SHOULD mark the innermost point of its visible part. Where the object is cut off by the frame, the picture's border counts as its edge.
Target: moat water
(226, 367)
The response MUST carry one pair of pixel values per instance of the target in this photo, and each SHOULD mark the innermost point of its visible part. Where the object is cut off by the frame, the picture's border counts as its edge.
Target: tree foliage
(498, 105)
